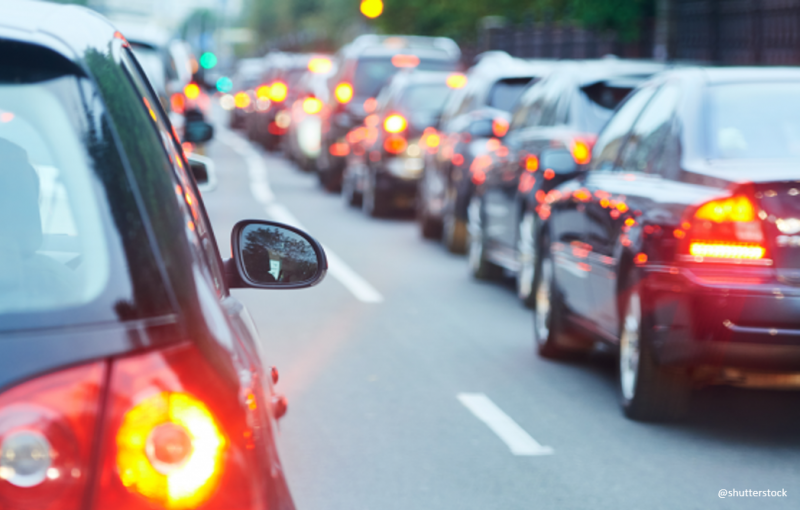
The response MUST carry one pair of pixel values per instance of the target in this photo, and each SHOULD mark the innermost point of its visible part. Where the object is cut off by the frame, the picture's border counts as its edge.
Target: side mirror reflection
(273, 255)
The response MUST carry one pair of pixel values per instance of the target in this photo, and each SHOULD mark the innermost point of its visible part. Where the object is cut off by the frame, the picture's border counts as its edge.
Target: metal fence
(736, 31)
(561, 40)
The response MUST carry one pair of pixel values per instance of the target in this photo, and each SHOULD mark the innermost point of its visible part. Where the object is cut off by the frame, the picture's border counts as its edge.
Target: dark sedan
(680, 243)
(129, 376)
(553, 127)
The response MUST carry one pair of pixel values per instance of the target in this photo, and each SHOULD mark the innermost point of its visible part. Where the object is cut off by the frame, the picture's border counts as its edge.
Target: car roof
(588, 72)
(716, 75)
(69, 30)
(372, 45)
(498, 65)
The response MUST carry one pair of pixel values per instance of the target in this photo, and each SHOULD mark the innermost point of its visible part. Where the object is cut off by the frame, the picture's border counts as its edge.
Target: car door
(503, 180)
(621, 194)
(226, 318)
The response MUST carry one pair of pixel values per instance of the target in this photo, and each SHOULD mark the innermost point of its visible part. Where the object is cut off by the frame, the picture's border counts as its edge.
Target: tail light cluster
(343, 92)
(724, 230)
(157, 430)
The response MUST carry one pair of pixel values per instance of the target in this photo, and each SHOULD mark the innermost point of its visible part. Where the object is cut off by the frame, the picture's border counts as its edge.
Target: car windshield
(53, 251)
(753, 121)
(373, 73)
(505, 93)
(427, 98)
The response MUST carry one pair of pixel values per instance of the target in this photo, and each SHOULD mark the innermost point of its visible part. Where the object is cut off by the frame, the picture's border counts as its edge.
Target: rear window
(373, 73)
(598, 101)
(53, 251)
(504, 93)
(428, 98)
(753, 121)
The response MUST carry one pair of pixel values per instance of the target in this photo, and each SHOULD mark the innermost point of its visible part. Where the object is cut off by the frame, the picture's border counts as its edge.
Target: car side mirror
(203, 170)
(559, 160)
(197, 131)
(269, 255)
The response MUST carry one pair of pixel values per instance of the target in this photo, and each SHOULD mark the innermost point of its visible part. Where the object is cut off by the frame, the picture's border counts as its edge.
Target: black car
(680, 243)
(364, 67)
(383, 176)
(474, 117)
(552, 130)
(129, 376)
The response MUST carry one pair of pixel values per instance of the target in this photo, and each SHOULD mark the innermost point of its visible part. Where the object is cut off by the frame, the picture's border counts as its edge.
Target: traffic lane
(377, 425)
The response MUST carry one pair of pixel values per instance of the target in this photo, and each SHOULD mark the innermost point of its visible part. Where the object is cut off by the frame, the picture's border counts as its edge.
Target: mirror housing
(204, 172)
(270, 255)
(196, 129)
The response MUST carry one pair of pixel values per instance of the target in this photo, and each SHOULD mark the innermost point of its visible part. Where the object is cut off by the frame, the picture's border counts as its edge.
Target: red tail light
(178, 102)
(312, 105)
(192, 91)
(582, 151)
(175, 436)
(278, 91)
(499, 127)
(339, 149)
(395, 123)
(47, 428)
(395, 144)
(343, 93)
(724, 230)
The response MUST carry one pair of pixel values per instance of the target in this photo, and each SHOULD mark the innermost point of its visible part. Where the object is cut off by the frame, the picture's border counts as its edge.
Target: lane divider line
(514, 436)
(261, 190)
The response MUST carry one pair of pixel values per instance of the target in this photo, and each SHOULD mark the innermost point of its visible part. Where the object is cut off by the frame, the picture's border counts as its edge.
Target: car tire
(649, 392)
(373, 204)
(526, 251)
(479, 265)
(455, 233)
(551, 334)
(431, 228)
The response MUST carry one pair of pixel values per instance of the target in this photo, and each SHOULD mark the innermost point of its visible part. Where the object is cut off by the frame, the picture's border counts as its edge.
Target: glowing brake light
(727, 250)
(177, 102)
(405, 61)
(581, 152)
(319, 65)
(395, 144)
(395, 123)
(278, 91)
(725, 229)
(499, 127)
(312, 105)
(192, 91)
(169, 450)
(262, 92)
(729, 209)
(241, 100)
(343, 93)
(456, 81)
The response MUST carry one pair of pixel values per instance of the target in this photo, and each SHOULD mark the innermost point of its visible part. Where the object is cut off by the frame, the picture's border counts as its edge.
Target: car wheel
(431, 228)
(549, 316)
(526, 251)
(479, 265)
(649, 392)
(454, 233)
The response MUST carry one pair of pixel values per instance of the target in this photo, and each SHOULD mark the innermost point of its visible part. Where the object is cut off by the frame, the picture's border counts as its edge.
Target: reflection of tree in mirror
(261, 243)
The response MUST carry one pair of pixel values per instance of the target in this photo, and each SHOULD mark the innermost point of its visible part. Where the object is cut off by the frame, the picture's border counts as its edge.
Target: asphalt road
(374, 421)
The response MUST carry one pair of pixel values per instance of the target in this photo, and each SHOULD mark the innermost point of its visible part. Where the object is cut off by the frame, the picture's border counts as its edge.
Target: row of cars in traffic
(130, 377)
(653, 209)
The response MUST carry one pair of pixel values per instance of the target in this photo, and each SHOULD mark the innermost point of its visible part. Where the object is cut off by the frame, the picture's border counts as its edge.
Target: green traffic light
(208, 60)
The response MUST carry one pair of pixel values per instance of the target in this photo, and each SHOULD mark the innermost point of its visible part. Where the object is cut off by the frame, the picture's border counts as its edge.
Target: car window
(528, 108)
(645, 141)
(199, 228)
(373, 73)
(610, 140)
(424, 98)
(753, 120)
(504, 93)
(53, 251)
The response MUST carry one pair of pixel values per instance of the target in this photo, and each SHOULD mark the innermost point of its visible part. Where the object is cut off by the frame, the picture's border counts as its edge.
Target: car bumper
(747, 320)
(401, 191)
